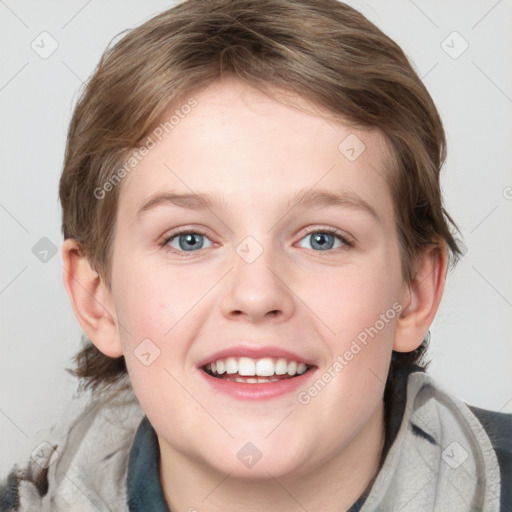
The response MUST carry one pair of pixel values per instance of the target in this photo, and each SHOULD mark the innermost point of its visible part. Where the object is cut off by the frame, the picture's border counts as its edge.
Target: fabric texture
(144, 489)
(87, 468)
(105, 457)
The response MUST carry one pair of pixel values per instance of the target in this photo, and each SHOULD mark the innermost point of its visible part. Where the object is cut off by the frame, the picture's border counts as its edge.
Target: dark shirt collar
(143, 485)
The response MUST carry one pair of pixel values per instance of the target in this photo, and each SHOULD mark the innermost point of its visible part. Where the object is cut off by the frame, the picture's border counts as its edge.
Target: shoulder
(487, 433)
(91, 441)
(498, 426)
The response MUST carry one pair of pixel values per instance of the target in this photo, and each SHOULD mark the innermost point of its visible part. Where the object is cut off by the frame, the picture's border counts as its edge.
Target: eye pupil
(191, 239)
(322, 240)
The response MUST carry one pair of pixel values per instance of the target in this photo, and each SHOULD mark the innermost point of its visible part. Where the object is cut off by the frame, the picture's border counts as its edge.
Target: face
(258, 309)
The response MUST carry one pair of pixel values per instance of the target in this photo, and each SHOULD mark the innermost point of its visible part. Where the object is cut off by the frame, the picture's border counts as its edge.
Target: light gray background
(471, 337)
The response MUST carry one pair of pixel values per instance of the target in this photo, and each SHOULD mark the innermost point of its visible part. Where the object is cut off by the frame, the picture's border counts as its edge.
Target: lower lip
(257, 391)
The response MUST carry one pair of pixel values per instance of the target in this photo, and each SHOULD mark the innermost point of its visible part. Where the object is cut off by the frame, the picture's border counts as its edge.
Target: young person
(256, 246)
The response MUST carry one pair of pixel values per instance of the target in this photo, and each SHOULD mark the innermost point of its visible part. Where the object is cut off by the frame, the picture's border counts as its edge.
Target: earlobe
(91, 300)
(421, 300)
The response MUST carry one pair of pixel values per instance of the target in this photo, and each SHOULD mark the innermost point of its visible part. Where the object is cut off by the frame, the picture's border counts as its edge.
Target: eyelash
(331, 231)
(186, 254)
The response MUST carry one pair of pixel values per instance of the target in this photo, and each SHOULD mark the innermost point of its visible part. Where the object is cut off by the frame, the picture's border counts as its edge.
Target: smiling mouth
(255, 371)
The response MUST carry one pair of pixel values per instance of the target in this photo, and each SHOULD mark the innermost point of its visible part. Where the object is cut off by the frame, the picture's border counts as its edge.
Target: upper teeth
(264, 367)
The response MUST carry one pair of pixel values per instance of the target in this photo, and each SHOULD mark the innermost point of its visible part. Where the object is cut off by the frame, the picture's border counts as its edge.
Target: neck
(332, 486)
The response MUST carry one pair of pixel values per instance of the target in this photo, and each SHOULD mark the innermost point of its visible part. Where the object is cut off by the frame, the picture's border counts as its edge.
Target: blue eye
(187, 241)
(325, 240)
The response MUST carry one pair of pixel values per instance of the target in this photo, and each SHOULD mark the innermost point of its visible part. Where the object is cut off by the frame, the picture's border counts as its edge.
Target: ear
(91, 300)
(421, 299)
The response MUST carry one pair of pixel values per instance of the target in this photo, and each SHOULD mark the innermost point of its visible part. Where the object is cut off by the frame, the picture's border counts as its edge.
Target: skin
(256, 152)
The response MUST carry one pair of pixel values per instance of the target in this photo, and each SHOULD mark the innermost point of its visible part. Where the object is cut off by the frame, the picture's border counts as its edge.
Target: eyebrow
(307, 198)
(324, 198)
(189, 201)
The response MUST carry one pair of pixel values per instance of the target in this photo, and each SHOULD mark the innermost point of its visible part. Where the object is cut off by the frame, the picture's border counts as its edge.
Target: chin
(260, 459)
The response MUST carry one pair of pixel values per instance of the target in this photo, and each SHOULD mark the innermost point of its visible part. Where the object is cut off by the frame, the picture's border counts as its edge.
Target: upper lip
(254, 353)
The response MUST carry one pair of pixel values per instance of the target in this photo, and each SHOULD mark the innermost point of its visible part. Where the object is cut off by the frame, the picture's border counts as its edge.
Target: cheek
(161, 312)
(357, 307)
(351, 299)
(156, 310)
(151, 301)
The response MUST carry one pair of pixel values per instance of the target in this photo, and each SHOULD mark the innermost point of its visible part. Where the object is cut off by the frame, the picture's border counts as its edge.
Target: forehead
(238, 143)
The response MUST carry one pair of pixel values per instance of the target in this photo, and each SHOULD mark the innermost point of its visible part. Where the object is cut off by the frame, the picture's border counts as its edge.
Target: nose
(257, 290)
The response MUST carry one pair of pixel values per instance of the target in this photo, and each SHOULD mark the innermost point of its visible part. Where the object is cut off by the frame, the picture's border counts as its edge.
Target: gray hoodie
(445, 456)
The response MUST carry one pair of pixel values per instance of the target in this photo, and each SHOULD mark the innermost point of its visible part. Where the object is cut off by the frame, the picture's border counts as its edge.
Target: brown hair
(323, 50)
